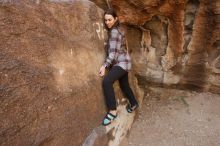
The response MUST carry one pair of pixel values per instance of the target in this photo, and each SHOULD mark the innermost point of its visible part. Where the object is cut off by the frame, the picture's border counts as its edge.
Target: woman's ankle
(134, 105)
(114, 112)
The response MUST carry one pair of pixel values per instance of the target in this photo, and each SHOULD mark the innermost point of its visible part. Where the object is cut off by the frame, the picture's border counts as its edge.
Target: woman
(118, 64)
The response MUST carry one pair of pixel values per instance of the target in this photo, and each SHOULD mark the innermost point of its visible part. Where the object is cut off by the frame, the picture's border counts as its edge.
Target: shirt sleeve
(112, 50)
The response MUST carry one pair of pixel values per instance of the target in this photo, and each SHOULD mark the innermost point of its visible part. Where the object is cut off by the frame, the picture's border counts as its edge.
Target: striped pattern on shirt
(117, 53)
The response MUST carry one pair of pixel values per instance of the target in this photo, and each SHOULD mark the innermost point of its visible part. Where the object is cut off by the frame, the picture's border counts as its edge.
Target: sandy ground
(171, 117)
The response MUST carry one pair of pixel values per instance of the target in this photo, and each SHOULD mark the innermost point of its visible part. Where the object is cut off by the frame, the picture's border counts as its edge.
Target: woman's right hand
(102, 71)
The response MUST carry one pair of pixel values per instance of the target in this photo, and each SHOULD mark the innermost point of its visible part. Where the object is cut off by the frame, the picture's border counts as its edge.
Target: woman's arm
(114, 41)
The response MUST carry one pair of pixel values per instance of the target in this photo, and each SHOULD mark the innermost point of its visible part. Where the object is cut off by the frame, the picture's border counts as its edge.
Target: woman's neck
(116, 24)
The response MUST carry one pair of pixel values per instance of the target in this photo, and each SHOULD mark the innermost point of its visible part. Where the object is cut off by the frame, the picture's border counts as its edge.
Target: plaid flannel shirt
(117, 53)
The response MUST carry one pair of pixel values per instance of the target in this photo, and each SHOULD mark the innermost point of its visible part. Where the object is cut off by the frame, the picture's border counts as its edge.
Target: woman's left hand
(102, 71)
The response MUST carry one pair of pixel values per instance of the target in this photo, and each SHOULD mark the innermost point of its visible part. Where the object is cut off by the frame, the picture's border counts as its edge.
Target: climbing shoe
(108, 119)
(130, 108)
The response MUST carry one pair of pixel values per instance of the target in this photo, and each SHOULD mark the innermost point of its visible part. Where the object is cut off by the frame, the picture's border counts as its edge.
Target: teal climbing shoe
(108, 119)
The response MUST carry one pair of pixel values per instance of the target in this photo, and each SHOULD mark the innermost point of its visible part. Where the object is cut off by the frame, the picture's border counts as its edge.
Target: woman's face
(110, 20)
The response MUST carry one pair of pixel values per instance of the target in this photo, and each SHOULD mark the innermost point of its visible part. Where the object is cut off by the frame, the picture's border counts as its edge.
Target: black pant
(117, 73)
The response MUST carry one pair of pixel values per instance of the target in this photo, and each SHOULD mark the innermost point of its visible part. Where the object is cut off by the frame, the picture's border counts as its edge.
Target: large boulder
(50, 54)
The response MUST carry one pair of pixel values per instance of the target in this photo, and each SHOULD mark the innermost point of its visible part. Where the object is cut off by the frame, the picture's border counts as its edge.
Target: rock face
(176, 43)
(50, 54)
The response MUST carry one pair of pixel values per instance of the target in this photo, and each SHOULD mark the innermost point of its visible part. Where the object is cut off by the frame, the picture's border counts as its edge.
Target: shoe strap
(134, 107)
(111, 116)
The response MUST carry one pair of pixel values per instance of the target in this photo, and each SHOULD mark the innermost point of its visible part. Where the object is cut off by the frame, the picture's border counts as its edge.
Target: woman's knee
(124, 85)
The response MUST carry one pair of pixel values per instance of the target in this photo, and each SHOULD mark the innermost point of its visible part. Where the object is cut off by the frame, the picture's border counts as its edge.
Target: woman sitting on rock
(118, 63)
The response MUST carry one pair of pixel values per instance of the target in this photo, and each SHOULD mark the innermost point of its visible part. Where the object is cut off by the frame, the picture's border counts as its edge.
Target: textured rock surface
(49, 59)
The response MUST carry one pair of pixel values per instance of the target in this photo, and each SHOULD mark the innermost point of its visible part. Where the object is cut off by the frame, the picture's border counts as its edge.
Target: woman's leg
(114, 74)
(125, 87)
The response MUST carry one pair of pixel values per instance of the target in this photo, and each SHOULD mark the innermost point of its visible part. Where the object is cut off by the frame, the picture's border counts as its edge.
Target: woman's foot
(109, 117)
(130, 108)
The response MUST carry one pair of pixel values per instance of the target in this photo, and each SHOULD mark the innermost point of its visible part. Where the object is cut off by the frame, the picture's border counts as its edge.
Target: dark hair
(111, 12)
(114, 14)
